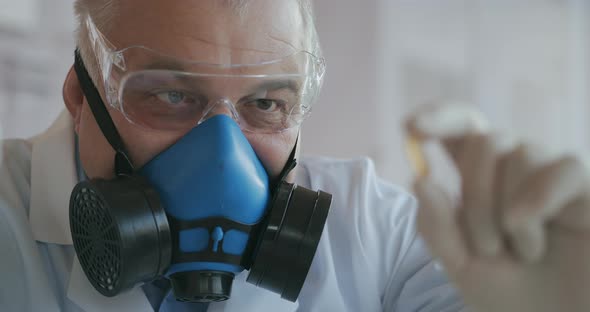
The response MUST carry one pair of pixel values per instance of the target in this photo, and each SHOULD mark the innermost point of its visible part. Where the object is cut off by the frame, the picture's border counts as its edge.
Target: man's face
(204, 31)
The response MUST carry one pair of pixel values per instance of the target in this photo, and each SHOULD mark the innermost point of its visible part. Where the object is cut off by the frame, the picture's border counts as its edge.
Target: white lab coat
(369, 257)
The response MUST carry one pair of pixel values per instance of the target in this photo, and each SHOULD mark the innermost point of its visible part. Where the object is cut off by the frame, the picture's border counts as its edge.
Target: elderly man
(170, 183)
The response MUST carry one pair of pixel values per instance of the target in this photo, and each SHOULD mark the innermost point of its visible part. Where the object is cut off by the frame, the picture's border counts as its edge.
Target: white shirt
(369, 257)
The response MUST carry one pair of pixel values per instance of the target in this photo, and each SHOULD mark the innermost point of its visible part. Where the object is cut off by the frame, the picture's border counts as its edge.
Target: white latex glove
(519, 239)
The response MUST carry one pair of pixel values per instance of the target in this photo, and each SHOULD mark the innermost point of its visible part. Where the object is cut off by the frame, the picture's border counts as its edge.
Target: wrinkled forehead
(211, 31)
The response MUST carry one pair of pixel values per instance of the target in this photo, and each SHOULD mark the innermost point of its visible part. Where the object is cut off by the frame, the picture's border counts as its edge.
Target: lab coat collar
(53, 176)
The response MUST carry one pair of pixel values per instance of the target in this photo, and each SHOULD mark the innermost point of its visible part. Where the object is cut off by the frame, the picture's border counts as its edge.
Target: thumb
(438, 224)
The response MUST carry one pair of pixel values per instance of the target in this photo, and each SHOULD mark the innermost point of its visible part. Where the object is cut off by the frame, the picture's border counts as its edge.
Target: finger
(438, 225)
(527, 241)
(512, 169)
(541, 198)
(477, 213)
(576, 215)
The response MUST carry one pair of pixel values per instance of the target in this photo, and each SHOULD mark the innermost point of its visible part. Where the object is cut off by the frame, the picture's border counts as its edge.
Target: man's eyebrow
(290, 84)
(171, 65)
(165, 64)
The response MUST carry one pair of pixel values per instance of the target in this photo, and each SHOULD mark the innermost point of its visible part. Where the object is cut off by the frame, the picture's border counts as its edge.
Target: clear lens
(171, 100)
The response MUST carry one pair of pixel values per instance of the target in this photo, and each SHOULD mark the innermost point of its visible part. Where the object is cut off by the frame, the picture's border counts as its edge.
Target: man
(168, 72)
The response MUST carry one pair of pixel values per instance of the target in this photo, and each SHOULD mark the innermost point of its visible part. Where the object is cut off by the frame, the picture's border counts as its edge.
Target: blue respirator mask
(199, 213)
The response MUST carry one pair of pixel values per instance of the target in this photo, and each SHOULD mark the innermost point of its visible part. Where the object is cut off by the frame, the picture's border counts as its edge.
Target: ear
(73, 97)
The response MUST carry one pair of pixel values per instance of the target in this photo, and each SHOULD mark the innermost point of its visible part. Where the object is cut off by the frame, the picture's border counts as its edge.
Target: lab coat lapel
(53, 176)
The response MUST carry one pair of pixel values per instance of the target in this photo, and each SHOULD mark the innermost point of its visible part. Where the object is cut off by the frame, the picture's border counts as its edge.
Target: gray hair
(103, 12)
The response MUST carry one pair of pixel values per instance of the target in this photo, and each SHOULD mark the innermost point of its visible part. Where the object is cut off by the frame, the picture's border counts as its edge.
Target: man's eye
(266, 105)
(171, 97)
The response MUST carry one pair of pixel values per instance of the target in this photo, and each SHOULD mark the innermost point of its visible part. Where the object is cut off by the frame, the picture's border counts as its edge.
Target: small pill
(416, 156)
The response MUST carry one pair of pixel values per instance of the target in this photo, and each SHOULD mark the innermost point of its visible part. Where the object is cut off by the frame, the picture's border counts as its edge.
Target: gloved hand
(518, 239)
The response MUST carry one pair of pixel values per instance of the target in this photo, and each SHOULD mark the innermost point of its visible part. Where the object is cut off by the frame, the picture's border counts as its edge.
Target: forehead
(210, 31)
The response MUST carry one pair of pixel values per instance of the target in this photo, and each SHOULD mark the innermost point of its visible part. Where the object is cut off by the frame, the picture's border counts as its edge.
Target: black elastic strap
(289, 166)
(123, 165)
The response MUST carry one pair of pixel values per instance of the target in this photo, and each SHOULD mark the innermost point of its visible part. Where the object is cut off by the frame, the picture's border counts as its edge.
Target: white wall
(36, 51)
(343, 121)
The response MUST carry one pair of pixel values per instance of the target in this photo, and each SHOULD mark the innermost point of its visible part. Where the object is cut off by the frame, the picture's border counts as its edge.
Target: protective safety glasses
(163, 92)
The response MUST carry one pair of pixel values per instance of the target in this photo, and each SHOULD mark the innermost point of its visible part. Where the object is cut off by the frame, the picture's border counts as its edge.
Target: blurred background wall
(524, 63)
(36, 50)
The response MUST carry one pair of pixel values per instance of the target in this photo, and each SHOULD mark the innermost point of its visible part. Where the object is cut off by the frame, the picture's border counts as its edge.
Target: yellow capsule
(416, 156)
